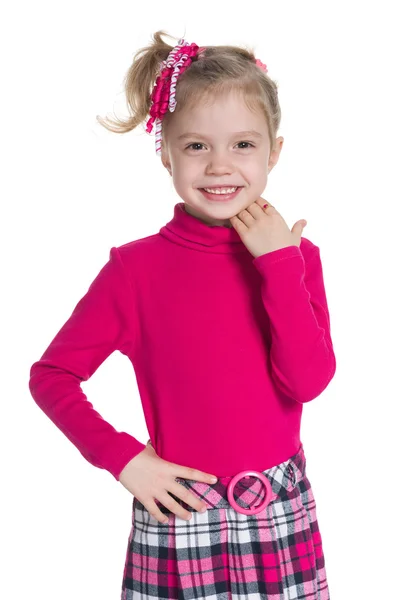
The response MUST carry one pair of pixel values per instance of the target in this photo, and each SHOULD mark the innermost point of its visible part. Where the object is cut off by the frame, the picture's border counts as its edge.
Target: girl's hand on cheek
(264, 230)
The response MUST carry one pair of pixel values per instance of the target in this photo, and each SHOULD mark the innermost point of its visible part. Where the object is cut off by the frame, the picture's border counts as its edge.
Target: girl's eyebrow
(251, 132)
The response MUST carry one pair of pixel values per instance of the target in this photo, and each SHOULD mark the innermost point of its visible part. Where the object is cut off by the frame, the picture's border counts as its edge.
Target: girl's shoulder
(137, 249)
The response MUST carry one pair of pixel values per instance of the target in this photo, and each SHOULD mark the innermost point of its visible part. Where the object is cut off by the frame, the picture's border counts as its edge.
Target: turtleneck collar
(189, 231)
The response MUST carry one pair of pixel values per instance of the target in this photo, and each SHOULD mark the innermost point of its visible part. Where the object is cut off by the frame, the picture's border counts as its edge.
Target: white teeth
(221, 190)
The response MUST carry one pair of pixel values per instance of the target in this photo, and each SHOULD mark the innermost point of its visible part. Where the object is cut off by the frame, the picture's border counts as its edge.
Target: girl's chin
(203, 216)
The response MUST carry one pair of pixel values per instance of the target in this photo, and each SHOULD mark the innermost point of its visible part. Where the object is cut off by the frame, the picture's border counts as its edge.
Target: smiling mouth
(222, 189)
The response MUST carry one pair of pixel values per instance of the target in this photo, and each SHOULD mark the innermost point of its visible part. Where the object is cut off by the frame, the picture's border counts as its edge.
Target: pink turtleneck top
(226, 349)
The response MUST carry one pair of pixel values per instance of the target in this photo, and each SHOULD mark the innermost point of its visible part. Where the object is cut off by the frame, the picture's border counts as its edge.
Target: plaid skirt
(223, 554)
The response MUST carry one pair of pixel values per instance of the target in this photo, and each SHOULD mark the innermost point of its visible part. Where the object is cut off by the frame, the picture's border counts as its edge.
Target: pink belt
(233, 482)
(254, 510)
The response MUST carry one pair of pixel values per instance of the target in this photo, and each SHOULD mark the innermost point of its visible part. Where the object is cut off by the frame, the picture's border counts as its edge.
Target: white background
(71, 190)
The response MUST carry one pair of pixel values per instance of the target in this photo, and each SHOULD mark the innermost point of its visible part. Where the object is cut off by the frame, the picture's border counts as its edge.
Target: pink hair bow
(163, 95)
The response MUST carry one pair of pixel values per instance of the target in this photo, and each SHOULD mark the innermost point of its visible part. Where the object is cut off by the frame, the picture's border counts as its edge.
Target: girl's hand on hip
(263, 230)
(149, 477)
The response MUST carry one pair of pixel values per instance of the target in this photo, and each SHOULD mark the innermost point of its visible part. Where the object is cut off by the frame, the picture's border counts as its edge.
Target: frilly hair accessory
(261, 65)
(163, 94)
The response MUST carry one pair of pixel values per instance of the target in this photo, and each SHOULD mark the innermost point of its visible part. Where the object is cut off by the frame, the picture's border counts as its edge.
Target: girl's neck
(187, 230)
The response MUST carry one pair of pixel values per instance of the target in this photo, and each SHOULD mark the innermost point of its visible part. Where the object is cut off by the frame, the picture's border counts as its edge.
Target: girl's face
(222, 144)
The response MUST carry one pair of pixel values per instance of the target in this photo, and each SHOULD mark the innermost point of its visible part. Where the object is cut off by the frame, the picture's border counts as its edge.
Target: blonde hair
(221, 69)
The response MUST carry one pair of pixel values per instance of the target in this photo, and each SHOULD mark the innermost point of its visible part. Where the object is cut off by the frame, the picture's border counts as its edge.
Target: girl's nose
(219, 164)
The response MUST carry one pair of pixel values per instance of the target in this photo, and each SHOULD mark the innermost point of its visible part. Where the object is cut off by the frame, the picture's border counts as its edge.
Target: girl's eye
(194, 144)
(249, 144)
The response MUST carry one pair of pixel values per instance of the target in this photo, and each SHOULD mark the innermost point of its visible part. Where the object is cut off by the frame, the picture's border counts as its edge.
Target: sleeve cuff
(276, 256)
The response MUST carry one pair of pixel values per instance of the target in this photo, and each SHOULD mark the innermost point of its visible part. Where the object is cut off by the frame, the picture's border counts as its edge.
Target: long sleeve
(293, 293)
(100, 323)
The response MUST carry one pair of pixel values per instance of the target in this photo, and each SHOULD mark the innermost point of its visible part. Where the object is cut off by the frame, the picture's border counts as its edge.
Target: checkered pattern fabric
(222, 554)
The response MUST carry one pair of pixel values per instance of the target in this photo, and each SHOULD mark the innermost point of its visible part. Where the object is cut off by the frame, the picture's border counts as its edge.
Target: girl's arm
(293, 293)
(100, 323)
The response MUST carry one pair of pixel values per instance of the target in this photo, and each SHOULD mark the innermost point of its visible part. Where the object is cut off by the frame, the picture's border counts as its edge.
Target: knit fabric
(226, 349)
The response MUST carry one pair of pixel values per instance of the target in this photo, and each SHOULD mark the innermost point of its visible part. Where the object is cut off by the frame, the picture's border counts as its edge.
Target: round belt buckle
(254, 510)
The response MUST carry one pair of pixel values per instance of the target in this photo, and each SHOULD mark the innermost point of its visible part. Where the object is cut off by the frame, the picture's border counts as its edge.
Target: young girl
(224, 317)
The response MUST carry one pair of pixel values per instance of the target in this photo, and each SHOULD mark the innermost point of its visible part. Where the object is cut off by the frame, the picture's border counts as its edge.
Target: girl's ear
(274, 156)
(165, 161)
